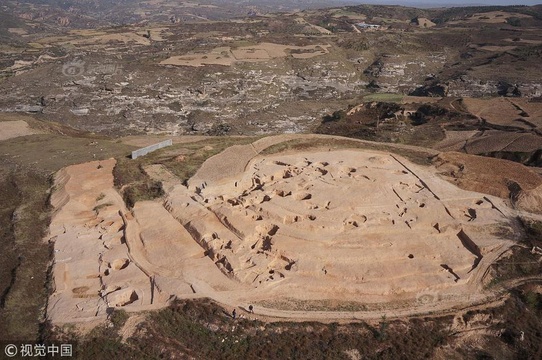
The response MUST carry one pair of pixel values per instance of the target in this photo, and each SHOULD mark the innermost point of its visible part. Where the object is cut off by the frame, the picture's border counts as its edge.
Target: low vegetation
(417, 156)
(23, 272)
(195, 154)
(201, 329)
(523, 261)
(384, 97)
(134, 184)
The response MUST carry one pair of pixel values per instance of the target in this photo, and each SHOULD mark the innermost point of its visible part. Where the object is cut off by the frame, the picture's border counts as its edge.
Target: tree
(513, 21)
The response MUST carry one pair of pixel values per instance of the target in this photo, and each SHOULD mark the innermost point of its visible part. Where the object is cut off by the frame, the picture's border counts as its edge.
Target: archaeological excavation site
(271, 179)
(369, 231)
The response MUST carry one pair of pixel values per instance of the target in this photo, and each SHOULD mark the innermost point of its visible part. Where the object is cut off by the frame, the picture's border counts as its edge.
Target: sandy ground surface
(13, 129)
(327, 234)
(106, 256)
(425, 23)
(91, 257)
(352, 221)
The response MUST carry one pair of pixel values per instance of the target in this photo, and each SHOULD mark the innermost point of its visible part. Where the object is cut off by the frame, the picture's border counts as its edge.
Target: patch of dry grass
(416, 156)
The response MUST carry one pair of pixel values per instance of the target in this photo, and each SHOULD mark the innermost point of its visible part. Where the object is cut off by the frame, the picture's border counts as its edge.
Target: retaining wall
(144, 151)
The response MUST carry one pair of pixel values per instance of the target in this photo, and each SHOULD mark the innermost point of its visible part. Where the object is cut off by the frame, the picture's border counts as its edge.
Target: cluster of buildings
(365, 26)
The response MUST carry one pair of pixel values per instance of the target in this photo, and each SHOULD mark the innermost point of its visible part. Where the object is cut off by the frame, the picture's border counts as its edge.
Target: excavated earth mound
(364, 228)
(350, 225)
(107, 256)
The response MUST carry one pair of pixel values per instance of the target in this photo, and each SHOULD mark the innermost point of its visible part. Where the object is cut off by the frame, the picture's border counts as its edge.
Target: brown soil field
(493, 17)
(96, 37)
(261, 52)
(492, 176)
(505, 111)
(493, 141)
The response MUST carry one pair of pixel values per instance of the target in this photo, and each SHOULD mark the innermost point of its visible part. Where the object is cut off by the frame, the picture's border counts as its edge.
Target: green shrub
(513, 21)
(118, 318)
(336, 116)
(148, 190)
